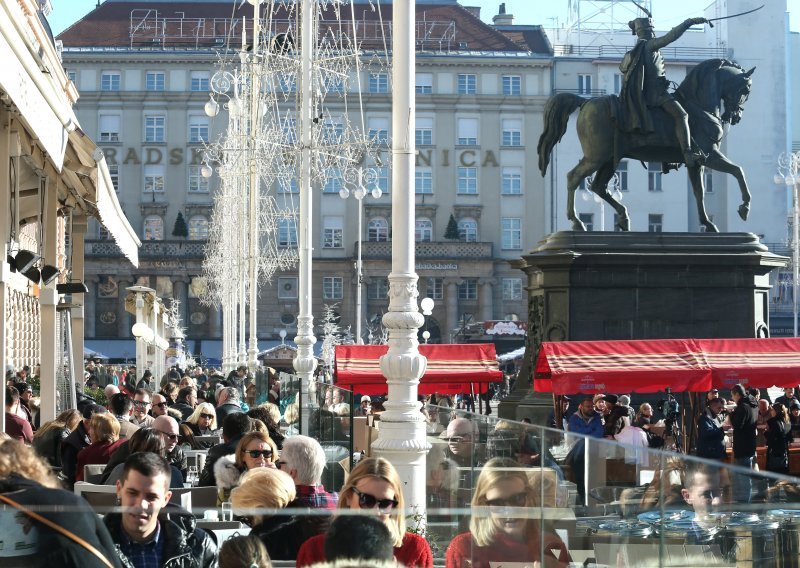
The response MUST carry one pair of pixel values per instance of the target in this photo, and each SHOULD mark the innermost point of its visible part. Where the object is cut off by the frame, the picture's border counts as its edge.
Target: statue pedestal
(608, 285)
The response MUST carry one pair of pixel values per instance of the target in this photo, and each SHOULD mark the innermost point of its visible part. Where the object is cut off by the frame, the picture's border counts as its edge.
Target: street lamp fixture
(426, 304)
(789, 175)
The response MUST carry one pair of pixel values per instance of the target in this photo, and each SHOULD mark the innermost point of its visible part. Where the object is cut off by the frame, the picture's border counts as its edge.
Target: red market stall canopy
(451, 367)
(645, 366)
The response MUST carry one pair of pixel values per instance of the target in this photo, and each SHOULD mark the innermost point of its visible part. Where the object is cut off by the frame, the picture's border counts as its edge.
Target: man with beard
(142, 535)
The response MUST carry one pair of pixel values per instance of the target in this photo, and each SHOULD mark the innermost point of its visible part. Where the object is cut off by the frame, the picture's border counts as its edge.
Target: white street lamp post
(361, 179)
(789, 174)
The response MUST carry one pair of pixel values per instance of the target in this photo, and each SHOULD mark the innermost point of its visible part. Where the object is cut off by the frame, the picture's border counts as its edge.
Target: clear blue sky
(667, 12)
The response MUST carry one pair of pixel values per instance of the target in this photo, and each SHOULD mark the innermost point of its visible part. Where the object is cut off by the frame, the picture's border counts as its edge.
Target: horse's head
(734, 93)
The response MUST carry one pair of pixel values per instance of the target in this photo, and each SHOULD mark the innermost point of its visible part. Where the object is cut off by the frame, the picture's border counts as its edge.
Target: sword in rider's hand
(711, 20)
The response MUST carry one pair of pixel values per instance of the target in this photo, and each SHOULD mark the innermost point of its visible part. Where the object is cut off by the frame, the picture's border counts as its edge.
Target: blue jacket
(592, 427)
(710, 438)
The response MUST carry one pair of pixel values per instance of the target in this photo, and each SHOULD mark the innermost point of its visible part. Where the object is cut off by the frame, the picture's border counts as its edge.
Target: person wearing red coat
(375, 484)
(500, 532)
(104, 434)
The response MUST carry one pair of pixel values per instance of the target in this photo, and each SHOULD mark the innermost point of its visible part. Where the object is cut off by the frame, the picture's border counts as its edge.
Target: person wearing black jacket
(144, 530)
(710, 435)
(779, 434)
(235, 426)
(186, 401)
(743, 419)
(76, 441)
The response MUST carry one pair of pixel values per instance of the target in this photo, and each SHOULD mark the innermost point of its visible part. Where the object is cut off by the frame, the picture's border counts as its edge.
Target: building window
(287, 287)
(424, 131)
(654, 176)
(198, 183)
(198, 129)
(153, 226)
(467, 84)
(154, 81)
(435, 288)
(332, 232)
(381, 180)
(468, 289)
(110, 81)
(622, 175)
(287, 233)
(199, 81)
(378, 130)
(423, 181)
(512, 132)
(334, 84)
(512, 85)
(378, 83)
(708, 181)
(378, 230)
(198, 228)
(288, 185)
(154, 178)
(588, 220)
(467, 181)
(512, 289)
(423, 230)
(102, 233)
(73, 76)
(424, 84)
(155, 128)
(617, 83)
(378, 289)
(113, 173)
(109, 127)
(584, 84)
(467, 132)
(468, 230)
(333, 180)
(655, 222)
(511, 181)
(512, 233)
(332, 288)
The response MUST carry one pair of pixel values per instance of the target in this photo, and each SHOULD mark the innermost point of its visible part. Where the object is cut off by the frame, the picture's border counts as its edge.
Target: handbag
(58, 528)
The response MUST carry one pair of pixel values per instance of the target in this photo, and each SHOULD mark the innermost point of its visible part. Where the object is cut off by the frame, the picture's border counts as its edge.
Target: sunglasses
(517, 500)
(140, 403)
(168, 435)
(259, 453)
(208, 416)
(160, 404)
(280, 463)
(457, 439)
(367, 501)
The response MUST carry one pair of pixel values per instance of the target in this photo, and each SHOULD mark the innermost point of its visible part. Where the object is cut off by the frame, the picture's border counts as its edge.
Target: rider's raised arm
(675, 33)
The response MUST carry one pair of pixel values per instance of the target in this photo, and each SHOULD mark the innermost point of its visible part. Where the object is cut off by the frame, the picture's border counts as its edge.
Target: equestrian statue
(649, 123)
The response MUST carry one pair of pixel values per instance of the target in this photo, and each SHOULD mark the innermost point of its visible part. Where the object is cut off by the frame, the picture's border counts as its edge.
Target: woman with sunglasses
(500, 532)
(255, 449)
(203, 421)
(374, 486)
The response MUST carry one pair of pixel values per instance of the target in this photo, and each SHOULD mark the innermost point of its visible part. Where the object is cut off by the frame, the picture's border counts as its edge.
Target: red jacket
(19, 428)
(413, 553)
(464, 553)
(96, 453)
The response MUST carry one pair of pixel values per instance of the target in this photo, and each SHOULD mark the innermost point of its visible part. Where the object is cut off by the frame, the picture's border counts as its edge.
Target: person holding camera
(744, 419)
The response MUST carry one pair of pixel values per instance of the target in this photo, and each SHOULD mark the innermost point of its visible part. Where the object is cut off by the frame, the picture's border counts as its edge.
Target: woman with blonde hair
(104, 434)
(260, 490)
(374, 485)
(500, 530)
(203, 421)
(255, 449)
(47, 439)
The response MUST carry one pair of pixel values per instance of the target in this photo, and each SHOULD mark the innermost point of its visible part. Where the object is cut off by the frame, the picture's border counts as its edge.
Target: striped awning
(451, 368)
(697, 365)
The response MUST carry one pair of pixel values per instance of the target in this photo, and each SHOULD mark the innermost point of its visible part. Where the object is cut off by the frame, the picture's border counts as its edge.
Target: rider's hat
(639, 23)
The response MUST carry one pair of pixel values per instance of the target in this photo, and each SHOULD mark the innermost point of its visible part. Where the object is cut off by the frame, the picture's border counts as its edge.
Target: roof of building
(530, 38)
(444, 26)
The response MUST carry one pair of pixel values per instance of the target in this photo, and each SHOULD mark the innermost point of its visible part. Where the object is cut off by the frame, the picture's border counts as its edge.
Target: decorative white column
(5, 231)
(402, 433)
(77, 229)
(305, 362)
(48, 298)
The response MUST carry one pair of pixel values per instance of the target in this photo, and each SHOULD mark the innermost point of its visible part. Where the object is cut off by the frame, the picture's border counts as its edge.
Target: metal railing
(618, 52)
(149, 249)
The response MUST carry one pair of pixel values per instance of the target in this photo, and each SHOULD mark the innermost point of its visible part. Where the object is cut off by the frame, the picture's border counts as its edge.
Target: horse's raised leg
(600, 187)
(698, 187)
(718, 161)
(582, 170)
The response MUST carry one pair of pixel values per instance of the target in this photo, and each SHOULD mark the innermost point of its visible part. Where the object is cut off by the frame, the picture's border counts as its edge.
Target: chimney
(503, 19)
(474, 10)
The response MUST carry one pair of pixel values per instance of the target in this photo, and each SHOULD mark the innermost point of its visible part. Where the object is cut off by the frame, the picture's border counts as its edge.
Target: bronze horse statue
(702, 93)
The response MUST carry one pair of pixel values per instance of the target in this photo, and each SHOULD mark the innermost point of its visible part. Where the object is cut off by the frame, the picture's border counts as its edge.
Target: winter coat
(592, 427)
(744, 419)
(710, 438)
(74, 443)
(779, 434)
(48, 445)
(185, 546)
(226, 476)
(215, 453)
(282, 535)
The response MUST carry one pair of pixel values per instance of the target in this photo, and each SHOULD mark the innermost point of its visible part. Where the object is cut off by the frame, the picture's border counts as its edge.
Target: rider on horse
(645, 85)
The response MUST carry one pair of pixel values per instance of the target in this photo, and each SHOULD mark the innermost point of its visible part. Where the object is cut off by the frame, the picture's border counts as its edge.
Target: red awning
(588, 367)
(451, 367)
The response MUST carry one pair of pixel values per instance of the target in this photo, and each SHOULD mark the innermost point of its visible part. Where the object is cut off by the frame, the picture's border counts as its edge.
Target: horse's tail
(556, 117)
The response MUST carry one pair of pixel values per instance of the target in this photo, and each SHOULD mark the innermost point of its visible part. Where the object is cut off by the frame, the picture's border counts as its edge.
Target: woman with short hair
(375, 484)
(500, 530)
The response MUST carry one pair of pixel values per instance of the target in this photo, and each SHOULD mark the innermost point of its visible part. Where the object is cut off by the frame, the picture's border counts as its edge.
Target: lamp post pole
(788, 170)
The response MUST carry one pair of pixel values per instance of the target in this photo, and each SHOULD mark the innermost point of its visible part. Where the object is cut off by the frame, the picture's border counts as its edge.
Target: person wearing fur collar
(255, 449)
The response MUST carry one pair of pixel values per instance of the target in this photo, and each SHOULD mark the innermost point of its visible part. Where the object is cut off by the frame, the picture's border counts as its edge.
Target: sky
(666, 13)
